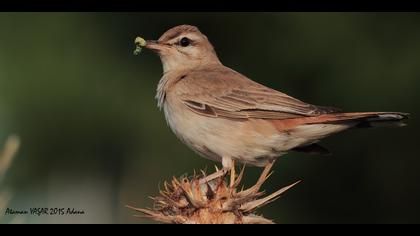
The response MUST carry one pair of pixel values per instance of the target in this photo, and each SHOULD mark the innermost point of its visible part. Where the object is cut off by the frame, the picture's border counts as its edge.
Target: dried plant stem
(6, 158)
(8, 153)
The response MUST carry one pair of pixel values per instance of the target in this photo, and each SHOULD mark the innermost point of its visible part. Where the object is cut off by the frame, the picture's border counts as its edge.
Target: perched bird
(224, 116)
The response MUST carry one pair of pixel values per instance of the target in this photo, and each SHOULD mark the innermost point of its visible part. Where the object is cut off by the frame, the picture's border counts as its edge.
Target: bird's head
(183, 47)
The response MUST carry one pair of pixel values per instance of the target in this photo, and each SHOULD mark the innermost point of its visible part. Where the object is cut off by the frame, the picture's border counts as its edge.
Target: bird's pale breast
(252, 141)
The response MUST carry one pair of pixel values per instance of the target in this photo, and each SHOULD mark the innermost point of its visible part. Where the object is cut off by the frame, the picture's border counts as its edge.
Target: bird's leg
(227, 163)
(232, 174)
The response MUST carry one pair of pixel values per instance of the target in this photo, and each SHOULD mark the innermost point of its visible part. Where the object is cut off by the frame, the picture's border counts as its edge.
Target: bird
(226, 117)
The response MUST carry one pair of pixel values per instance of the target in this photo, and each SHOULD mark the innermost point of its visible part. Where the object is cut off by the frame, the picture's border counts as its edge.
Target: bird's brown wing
(223, 92)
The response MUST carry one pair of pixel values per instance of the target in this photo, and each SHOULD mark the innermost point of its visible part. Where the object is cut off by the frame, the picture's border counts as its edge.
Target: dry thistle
(186, 201)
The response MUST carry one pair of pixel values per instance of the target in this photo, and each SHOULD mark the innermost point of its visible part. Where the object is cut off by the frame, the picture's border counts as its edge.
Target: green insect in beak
(139, 42)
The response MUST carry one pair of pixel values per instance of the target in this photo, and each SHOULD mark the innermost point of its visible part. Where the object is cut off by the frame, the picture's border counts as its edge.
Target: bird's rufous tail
(315, 128)
(353, 119)
(366, 119)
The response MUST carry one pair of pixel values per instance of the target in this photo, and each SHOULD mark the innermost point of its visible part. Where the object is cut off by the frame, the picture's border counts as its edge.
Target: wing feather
(222, 92)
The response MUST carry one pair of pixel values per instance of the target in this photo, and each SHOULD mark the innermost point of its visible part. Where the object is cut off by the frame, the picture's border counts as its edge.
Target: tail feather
(372, 119)
(305, 132)
(352, 119)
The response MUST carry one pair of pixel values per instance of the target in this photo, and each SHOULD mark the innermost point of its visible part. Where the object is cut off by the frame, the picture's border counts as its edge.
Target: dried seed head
(186, 201)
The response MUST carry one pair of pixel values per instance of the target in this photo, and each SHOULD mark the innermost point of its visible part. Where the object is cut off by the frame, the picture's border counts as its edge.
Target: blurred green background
(93, 138)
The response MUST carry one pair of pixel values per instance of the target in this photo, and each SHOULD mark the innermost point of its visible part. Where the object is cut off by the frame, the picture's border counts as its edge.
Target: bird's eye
(184, 42)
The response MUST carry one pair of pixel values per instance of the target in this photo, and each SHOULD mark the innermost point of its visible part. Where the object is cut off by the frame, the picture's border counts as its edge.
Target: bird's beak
(156, 46)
